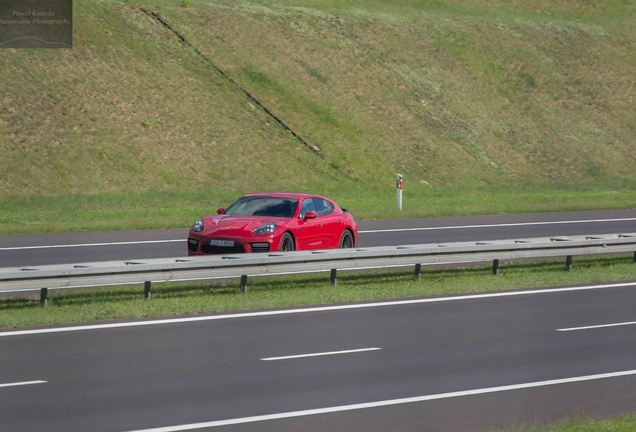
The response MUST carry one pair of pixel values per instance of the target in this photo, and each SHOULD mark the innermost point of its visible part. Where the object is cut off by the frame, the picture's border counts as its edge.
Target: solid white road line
(597, 326)
(320, 354)
(384, 403)
(313, 309)
(359, 232)
(498, 225)
(16, 384)
(90, 244)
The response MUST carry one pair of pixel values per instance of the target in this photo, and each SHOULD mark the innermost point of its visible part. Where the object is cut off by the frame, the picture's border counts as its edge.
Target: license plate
(224, 243)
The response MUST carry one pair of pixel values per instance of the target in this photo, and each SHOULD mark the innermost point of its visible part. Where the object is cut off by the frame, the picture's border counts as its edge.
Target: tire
(286, 243)
(346, 240)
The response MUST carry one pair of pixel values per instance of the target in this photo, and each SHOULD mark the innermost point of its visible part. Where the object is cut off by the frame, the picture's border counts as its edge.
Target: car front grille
(260, 247)
(206, 248)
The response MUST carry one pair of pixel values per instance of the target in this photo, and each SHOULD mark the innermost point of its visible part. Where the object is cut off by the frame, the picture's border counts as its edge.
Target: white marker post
(398, 191)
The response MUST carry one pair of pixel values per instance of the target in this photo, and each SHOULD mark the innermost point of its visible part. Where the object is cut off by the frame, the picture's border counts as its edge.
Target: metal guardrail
(243, 265)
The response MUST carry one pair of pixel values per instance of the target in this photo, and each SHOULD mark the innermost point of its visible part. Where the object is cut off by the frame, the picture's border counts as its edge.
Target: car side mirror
(220, 211)
(310, 215)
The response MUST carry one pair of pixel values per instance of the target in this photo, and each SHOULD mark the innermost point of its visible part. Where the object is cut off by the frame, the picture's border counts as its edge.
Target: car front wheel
(346, 240)
(286, 243)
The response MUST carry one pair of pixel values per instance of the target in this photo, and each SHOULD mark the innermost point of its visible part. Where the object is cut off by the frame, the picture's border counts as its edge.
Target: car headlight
(198, 226)
(265, 229)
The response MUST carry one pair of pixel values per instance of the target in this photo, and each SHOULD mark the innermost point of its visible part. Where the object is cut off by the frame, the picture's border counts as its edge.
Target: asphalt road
(462, 363)
(29, 250)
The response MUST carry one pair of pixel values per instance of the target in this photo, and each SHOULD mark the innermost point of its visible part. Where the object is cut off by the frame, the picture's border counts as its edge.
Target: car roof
(283, 194)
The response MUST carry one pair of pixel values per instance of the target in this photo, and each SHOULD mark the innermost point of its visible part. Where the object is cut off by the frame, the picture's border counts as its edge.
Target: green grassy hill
(496, 95)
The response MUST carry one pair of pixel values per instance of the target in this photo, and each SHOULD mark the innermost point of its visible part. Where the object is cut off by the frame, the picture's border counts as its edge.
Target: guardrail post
(244, 283)
(568, 263)
(333, 278)
(418, 271)
(147, 291)
(495, 267)
(44, 297)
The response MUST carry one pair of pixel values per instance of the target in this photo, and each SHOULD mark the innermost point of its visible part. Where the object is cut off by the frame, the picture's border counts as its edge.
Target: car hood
(237, 223)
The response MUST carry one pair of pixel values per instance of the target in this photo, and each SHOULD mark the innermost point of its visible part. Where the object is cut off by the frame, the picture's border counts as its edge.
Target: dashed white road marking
(23, 383)
(320, 354)
(597, 326)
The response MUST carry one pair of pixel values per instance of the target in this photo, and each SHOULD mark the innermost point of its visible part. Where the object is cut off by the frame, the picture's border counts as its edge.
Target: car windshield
(263, 206)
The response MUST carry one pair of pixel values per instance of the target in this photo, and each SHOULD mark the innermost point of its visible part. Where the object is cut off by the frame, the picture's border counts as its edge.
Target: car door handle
(319, 225)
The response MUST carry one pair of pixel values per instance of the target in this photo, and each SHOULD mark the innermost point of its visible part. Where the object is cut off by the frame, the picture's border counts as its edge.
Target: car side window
(308, 205)
(237, 208)
(323, 207)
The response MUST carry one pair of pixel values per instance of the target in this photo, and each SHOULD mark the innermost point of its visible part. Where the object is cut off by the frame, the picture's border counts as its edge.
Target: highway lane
(467, 363)
(66, 248)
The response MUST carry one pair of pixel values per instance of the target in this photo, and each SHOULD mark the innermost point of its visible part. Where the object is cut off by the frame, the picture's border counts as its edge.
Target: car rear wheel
(346, 240)
(286, 243)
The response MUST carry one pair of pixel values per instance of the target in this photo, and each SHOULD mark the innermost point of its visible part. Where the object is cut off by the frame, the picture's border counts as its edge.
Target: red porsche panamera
(268, 222)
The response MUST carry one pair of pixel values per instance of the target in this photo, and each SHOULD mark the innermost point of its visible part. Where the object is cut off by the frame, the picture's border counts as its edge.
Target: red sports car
(268, 222)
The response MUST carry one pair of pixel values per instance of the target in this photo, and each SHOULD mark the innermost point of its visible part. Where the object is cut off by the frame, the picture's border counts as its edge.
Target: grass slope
(472, 101)
(447, 94)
